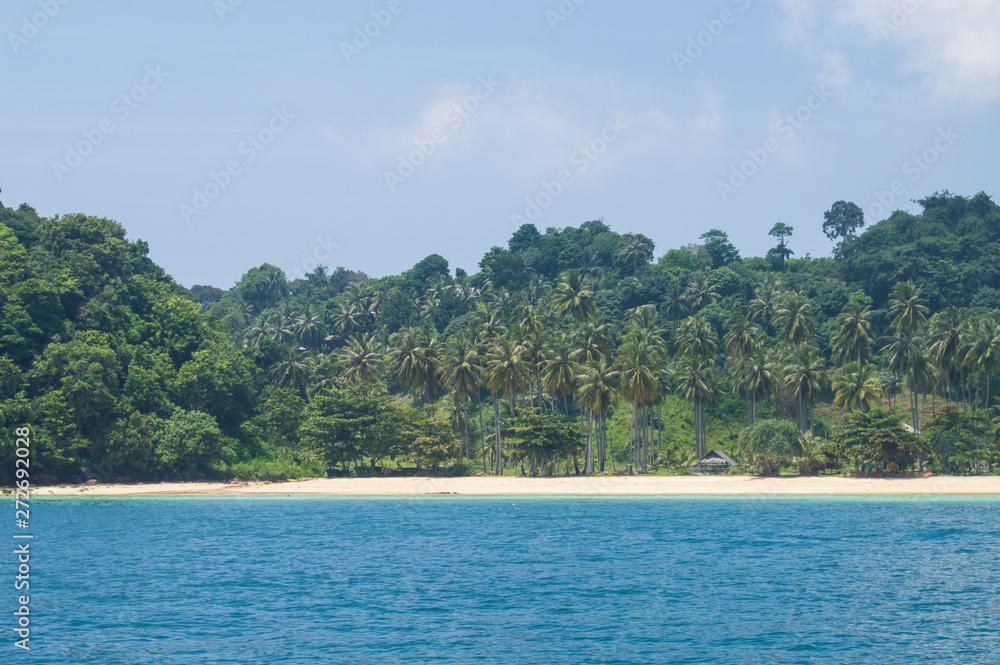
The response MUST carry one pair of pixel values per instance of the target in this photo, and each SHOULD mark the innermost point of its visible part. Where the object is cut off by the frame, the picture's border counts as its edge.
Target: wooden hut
(715, 461)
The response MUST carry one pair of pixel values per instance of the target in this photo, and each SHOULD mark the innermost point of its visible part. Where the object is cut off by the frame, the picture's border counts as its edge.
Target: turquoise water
(513, 580)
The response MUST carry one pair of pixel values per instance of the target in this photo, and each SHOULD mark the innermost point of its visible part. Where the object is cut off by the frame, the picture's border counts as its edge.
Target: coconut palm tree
(361, 360)
(741, 342)
(854, 335)
(404, 360)
(697, 338)
(701, 291)
(635, 250)
(505, 373)
(808, 379)
(945, 336)
(767, 293)
(290, 371)
(307, 330)
(982, 352)
(573, 296)
(760, 380)
(794, 322)
(592, 342)
(639, 379)
(558, 370)
(463, 374)
(695, 380)
(857, 387)
(597, 392)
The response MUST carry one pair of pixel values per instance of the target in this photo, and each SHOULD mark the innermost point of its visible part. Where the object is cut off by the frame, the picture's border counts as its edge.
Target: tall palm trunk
(482, 431)
(802, 409)
(465, 421)
(588, 463)
(496, 420)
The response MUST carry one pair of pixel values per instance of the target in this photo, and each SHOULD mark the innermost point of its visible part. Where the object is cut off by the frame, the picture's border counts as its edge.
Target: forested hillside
(575, 350)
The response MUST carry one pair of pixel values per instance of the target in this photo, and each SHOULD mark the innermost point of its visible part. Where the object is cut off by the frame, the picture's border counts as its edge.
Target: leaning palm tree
(794, 323)
(361, 360)
(857, 387)
(597, 392)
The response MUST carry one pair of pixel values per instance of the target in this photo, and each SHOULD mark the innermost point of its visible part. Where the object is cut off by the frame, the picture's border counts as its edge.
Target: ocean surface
(450, 580)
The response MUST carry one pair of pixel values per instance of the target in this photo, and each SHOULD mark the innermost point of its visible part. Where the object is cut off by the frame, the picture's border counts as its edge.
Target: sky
(370, 134)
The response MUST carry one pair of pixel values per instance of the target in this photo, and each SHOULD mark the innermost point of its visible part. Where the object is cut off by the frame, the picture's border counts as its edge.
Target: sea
(519, 580)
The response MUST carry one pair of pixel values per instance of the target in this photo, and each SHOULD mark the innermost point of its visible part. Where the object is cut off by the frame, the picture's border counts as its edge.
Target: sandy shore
(674, 485)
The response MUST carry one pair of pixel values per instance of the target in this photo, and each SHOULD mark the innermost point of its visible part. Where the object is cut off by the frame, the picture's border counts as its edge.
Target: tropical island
(578, 351)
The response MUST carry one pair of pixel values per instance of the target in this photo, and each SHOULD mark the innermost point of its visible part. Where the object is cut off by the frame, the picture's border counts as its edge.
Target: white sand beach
(589, 486)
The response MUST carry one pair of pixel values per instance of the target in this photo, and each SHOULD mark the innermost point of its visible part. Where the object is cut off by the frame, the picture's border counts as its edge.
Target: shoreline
(564, 486)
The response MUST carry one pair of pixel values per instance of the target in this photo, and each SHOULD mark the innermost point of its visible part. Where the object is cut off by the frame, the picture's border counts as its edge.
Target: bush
(768, 443)
(263, 468)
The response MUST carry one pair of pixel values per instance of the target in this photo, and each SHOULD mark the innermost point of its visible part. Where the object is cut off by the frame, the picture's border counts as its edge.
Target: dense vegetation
(575, 350)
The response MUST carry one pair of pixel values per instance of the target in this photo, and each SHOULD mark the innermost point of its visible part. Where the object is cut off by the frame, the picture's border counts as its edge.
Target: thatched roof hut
(715, 461)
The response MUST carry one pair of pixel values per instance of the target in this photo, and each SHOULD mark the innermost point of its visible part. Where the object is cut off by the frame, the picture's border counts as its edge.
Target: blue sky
(228, 134)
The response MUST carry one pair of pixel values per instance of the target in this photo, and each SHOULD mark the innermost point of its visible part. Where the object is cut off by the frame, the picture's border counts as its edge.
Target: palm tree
(361, 360)
(982, 352)
(696, 382)
(854, 335)
(592, 342)
(597, 393)
(811, 453)
(635, 250)
(290, 371)
(809, 378)
(558, 370)
(945, 337)
(909, 317)
(857, 387)
(307, 330)
(793, 320)
(701, 292)
(765, 300)
(573, 296)
(348, 319)
(741, 342)
(463, 373)
(404, 361)
(505, 374)
(760, 380)
(638, 367)
(697, 338)
(674, 302)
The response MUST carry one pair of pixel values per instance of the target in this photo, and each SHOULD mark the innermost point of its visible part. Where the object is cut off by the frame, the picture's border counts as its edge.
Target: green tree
(769, 443)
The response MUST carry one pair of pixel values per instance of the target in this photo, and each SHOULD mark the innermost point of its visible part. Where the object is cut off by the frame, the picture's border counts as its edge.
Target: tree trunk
(497, 451)
(465, 421)
(482, 431)
(588, 460)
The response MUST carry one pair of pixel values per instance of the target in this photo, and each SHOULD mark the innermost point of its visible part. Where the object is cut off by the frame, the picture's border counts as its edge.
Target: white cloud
(954, 44)
(529, 129)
